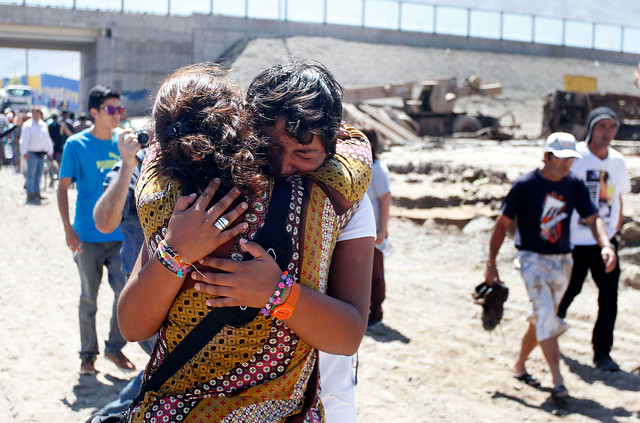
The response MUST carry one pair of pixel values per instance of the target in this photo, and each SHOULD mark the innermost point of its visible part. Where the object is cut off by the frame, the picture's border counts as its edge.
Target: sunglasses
(112, 110)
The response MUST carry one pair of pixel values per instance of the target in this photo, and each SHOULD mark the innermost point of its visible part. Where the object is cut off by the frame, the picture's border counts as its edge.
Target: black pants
(377, 286)
(585, 258)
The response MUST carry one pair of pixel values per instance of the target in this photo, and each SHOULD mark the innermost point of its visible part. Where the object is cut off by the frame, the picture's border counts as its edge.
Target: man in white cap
(542, 202)
(604, 172)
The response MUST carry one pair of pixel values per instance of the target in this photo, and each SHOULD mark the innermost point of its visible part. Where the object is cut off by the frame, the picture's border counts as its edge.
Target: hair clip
(179, 128)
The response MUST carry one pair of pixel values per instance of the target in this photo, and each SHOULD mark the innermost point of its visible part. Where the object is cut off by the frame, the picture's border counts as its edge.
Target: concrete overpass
(135, 52)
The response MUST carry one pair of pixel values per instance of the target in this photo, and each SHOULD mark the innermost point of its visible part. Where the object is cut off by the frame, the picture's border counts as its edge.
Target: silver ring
(221, 223)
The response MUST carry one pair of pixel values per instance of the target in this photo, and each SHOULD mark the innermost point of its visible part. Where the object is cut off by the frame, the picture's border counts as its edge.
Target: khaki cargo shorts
(546, 277)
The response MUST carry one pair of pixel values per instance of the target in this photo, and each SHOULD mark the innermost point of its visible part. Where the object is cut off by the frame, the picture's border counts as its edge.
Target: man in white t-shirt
(604, 171)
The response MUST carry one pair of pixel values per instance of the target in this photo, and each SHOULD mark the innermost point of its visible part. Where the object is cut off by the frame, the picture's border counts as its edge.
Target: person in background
(86, 160)
(59, 135)
(18, 120)
(35, 144)
(4, 126)
(379, 192)
(117, 208)
(82, 123)
(66, 123)
(604, 171)
(541, 202)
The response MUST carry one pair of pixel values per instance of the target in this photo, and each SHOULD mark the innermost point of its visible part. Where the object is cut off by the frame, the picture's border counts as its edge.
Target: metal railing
(396, 15)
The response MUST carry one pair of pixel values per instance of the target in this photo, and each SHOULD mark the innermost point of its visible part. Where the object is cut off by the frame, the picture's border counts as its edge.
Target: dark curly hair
(305, 94)
(205, 131)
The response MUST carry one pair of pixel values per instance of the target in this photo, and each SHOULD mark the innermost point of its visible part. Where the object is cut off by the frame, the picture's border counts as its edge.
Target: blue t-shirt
(87, 160)
(130, 224)
(543, 210)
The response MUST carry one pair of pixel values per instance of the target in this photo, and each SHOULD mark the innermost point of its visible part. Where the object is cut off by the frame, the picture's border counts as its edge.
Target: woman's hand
(192, 230)
(247, 283)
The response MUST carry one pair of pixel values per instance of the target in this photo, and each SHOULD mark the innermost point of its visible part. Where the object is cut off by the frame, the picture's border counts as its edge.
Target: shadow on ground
(619, 380)
(87, 387)
(384, 333)
(585, 407)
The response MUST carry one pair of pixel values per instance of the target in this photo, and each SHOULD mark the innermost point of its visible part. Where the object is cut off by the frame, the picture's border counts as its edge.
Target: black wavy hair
(305, 94)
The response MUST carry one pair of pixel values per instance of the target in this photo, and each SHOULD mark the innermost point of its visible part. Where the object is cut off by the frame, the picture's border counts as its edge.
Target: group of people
(248, 211)
(10, 124)
(252, 214)
(568, 214)
(34, 139)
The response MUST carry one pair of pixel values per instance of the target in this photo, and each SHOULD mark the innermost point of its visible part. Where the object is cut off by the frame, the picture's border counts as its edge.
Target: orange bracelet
(285, 310)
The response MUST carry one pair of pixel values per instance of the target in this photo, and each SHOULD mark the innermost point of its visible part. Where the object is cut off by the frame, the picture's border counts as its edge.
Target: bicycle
(50, 172)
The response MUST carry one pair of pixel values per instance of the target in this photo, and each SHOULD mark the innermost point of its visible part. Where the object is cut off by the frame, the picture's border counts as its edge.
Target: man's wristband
(610, 245)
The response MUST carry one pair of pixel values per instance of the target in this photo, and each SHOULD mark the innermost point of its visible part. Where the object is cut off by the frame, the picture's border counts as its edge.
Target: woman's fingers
(218, 286)
(183, 203)
(253, 248)
(205, 198)
(213, 281)
(226, 265)
(222, 302)
(219, 208)
(224, 221)
(230, 233)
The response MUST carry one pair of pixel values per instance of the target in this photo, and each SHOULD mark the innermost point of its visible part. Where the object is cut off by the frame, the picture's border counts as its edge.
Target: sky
(417, 15)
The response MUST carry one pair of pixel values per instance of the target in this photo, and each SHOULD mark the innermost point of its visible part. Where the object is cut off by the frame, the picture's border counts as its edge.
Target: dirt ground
(430, 361)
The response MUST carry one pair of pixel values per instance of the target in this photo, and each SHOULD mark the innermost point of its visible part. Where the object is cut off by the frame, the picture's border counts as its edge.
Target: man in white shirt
(35, 144)
(604, 172)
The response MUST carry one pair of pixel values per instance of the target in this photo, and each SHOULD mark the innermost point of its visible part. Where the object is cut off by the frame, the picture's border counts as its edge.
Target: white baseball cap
(562, 145)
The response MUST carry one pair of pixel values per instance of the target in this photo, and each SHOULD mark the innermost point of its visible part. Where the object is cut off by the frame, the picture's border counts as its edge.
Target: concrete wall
(135, 52)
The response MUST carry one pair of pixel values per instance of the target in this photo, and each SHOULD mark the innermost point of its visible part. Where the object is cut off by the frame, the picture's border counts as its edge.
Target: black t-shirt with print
(543, 210)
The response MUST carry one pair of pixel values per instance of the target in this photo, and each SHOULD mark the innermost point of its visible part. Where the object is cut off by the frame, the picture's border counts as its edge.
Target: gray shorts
(546, 277)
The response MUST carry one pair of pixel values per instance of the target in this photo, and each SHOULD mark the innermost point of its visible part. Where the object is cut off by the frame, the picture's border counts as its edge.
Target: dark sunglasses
(112, 110)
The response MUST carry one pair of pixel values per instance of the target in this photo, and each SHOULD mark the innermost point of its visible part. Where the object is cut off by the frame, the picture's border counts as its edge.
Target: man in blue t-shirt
(542, 202)
(87, 158)
(117, 208)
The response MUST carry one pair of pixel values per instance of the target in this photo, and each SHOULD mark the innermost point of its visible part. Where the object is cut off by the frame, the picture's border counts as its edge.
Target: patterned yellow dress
(261, 372)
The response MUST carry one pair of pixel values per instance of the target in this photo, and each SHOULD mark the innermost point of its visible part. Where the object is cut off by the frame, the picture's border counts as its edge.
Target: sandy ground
(430, 361)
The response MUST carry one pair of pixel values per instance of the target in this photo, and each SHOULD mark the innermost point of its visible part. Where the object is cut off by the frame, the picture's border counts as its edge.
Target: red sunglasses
(112, 110)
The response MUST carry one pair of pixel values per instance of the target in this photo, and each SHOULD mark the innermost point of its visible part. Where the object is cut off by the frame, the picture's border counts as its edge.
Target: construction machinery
(427, 107)
(568, 110)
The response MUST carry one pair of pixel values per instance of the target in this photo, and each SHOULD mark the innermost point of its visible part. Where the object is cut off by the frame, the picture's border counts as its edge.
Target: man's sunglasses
(112, 110)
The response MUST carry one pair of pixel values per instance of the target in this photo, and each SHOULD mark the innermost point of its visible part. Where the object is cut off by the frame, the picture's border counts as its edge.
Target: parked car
(19, 97)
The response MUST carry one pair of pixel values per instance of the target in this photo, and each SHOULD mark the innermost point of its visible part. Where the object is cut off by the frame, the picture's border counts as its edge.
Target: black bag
(274, 238)
(107, 418)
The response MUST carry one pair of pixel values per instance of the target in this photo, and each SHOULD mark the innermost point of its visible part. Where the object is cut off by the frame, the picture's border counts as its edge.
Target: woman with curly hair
(263, 369)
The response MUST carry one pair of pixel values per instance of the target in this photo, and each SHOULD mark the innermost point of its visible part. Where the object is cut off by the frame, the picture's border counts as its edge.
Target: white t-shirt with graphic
(606, 180)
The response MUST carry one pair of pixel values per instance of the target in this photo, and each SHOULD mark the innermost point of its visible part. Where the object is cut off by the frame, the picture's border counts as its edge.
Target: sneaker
(121, 361)
(33, 199)
(87, 367)
(604, 362)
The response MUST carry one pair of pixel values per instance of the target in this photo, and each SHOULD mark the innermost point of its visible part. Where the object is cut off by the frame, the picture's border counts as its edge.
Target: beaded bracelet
(171, 260)
(285, 281)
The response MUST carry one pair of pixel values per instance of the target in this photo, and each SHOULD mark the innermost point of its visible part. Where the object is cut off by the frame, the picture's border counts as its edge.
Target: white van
(19, 97)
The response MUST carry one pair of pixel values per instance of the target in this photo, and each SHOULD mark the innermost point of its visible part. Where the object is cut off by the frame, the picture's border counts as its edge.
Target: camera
(143, 138)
